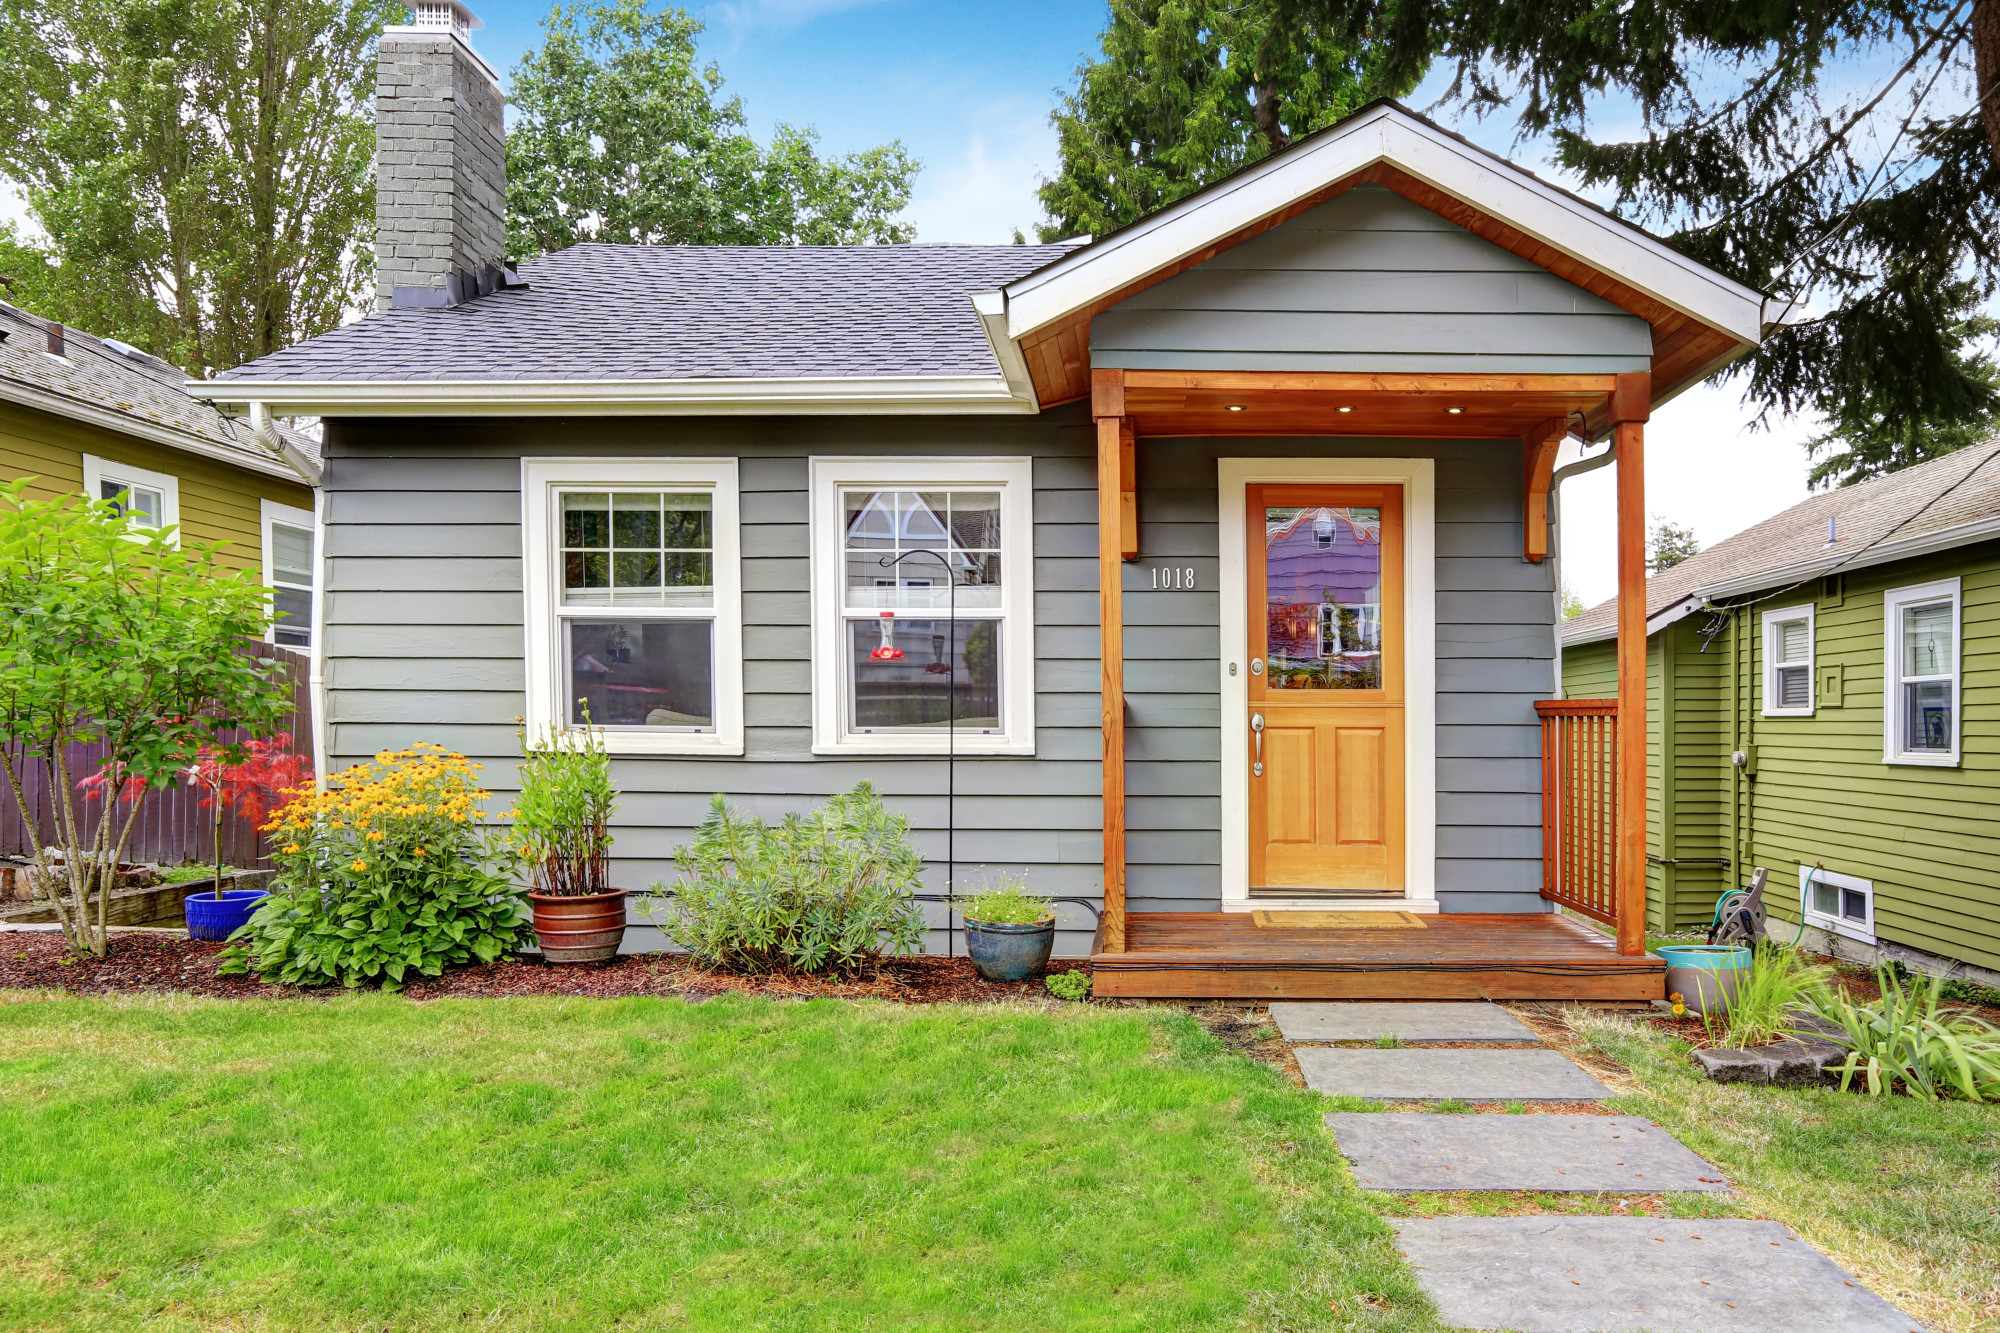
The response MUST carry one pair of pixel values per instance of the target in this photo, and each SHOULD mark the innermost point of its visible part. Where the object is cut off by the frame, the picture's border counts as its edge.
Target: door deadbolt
(1256, 666)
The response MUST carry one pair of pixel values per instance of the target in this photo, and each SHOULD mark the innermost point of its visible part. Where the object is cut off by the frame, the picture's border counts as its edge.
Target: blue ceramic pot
(1706, 976)
(209, 919)
(1005, 952)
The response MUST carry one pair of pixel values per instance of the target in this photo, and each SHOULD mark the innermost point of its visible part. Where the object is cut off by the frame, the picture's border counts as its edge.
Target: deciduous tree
(623, 136)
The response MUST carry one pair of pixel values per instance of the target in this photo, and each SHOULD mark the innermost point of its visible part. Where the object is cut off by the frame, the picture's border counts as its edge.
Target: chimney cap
(444, 16)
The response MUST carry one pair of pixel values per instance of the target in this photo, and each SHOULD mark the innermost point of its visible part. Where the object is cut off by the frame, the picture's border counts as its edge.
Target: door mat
(1340, 920)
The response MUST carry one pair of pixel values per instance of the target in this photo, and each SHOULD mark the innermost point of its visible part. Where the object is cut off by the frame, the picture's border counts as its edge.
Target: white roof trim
(1659, 620)
(140, 429)
(1385, 134)
(815, 396)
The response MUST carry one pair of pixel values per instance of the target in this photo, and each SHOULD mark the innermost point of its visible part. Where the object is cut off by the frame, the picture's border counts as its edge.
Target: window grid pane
(897, 546)
(1927, 640)
(638, 549)
(1794, 686)
(1794, 641)
(641, 673)
(903, 677)
(291, 555)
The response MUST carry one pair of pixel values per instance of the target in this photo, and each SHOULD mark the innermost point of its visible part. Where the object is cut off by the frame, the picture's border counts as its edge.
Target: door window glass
(1323, 597)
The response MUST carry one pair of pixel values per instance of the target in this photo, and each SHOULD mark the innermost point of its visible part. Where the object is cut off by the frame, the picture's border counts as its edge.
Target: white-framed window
(1838, 903)
(898, 546)
(290, 544)
(150, 499)
(1788, 662)
(634, 590)
(1920, 654)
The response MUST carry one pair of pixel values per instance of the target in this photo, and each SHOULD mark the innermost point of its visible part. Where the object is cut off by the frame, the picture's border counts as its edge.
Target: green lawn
(372, 1163)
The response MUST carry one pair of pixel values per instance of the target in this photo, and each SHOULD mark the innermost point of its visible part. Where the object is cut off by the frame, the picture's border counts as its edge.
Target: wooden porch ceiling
(1240, 403)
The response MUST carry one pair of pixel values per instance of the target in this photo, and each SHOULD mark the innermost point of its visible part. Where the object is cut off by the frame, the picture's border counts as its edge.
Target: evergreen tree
(622, 136)
(1187, 91)
(1668, 543)
(1876, 208)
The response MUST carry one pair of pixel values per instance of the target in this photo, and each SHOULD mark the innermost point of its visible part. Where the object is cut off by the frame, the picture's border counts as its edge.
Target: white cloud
(1705, 468)
(988, 189)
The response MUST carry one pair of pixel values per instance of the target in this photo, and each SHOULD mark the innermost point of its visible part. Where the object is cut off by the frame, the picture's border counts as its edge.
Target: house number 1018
(1173, 578)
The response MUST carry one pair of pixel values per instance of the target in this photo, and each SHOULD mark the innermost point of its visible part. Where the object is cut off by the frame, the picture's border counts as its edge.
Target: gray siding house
(989, 517)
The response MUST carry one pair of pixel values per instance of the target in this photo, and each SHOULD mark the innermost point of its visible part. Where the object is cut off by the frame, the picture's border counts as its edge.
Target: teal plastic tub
(1706, 976)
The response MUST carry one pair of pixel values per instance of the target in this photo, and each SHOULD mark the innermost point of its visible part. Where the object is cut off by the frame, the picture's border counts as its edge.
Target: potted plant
(562, 823)
(1009, 931)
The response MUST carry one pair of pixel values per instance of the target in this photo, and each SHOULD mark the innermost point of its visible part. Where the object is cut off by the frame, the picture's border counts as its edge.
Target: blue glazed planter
(1706, 976)
(1004, 952)
(208, 919)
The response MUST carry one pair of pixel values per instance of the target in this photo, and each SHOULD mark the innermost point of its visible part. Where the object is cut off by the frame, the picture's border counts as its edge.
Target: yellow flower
(420, 851)
(358, 864)
(290, 848)
(376, 835)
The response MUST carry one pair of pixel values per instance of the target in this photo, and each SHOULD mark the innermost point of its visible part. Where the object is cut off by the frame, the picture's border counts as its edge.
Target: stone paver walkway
(1406, 1020)
(1551, 1153)
(1457, 1074)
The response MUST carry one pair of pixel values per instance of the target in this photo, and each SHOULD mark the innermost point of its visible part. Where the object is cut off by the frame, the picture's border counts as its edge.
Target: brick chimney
(440, 163)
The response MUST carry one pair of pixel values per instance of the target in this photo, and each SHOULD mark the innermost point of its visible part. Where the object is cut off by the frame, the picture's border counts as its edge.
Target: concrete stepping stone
(1606, 1274)
(1435, 1076)
(1415, 1150)
(1406, 1020)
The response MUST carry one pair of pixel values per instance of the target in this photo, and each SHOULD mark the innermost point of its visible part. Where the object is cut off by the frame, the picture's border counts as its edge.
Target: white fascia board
(1928, 543)
(139, 429)
(1659, 620)
(1387, 135)
(991, 307)
(815, 396)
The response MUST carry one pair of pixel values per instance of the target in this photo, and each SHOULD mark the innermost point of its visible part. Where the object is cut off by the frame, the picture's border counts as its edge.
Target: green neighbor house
(96, 415)
(1823, 695)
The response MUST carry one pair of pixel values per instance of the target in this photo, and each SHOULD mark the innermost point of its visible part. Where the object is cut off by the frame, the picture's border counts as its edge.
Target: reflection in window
(291, 584)
(900, 674)
(642, 673)
(1323, 597)
(638, 548)
(142, 506)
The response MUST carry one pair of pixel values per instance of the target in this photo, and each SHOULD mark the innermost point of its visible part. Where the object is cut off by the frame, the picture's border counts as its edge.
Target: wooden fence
(173, 824)
(1580, 805)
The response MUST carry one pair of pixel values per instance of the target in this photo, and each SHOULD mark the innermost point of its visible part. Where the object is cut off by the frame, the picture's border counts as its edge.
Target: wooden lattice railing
(1580, 805)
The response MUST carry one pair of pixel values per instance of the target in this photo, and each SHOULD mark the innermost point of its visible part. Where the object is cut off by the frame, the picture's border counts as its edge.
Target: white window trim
(271, 512)
(1013, 477)
(1773, 619)
(1417, 477)
(1864, 930)
(541, 479)
(97, 471)
(1893, 602)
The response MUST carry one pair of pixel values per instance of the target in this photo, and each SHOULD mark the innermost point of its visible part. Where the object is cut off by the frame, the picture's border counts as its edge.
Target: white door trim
(1417, 477)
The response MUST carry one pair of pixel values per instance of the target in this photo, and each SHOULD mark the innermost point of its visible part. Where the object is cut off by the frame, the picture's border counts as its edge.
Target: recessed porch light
(1455, 411)
(1234, 407)
(1343, 409)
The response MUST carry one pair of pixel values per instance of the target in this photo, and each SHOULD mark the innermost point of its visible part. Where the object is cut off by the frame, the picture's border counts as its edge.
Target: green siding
(1926, 837)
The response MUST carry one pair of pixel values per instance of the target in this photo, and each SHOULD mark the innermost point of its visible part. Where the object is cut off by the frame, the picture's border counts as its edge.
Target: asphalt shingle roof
(96, 373)
(1930, 498)
(631, 312)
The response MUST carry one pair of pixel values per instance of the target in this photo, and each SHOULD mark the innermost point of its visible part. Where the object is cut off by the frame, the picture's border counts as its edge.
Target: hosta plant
(389, 872)
(1910, 1035)
(828, 891)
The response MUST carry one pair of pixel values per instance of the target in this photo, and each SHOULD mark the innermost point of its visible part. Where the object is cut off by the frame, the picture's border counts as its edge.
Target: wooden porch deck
(1455, 956)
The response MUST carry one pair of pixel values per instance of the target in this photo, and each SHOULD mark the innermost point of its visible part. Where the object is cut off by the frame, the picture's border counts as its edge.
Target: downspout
(266, 434)
(1556, 480)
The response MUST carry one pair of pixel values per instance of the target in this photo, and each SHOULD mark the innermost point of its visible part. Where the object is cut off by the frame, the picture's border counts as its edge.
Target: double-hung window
(1788, 662)
(1920, 705)
(634, 599)
(288, 573)
(146, 498)
(923, 588)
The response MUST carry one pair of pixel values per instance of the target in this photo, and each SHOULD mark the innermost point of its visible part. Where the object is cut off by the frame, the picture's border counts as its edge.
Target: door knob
(1257, 735)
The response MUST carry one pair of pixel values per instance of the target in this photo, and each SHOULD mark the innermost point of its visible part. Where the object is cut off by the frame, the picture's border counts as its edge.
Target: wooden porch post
(1631, 405)
(1114, 452)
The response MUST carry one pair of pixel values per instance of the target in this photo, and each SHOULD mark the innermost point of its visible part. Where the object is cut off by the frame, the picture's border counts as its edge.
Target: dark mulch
(143, 963)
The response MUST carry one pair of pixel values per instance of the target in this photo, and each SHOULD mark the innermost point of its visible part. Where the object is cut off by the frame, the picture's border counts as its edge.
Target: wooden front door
(1326, 689)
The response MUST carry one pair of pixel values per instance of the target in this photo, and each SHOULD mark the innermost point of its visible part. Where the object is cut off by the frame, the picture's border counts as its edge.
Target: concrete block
(1446, 1075)
(1553, 1153)
(1783, 1064)
(1626, 1274)
(1406, 1020)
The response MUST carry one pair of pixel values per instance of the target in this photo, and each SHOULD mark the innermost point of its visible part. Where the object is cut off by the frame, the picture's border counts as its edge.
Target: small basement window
(147, 499)
(1920, 655)
(1788, 662)
(635, 615)
(1839, 903)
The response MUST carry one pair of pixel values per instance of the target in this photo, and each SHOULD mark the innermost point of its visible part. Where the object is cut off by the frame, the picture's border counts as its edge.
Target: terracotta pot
(584, 929)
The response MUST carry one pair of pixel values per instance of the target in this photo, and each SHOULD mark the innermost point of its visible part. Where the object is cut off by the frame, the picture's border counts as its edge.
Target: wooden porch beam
(1538, 465)
(1314, 381)
(1114, 469)
(1631, 405)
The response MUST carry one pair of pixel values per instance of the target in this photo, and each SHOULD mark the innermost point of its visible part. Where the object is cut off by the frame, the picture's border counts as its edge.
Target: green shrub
(562, 816)
(828, 891)
(1909, 1035)
(190, 871)
(1780, 979)
(1068, 985)
(388, 871)
(1007, 902)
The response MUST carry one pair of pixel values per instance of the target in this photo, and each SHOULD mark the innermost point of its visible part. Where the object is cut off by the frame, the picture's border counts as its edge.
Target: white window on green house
(1841, 904)
(923, 625)
(1788, 662)
(289, 547)
(1920, 705)
(635, 603)
(146, 498)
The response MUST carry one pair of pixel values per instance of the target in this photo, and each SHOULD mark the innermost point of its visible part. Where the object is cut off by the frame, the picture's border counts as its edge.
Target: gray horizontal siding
(1369, 281)
(1495, 657)
(425, 635)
